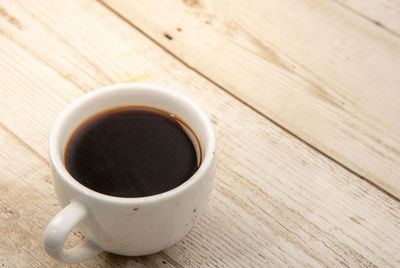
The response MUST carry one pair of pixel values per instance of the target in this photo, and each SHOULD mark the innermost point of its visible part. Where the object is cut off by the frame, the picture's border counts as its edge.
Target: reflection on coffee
(132, 152)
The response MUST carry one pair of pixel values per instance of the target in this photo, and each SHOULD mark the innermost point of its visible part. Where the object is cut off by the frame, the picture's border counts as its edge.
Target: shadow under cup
(138, 225)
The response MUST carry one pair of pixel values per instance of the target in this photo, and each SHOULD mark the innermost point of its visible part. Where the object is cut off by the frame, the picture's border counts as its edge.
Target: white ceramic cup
(126, 226)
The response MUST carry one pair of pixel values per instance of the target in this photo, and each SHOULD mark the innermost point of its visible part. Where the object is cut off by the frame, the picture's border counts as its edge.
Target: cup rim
(58, 164)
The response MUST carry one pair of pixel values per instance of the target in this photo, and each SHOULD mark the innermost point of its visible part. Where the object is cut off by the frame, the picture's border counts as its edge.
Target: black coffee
(132, 152)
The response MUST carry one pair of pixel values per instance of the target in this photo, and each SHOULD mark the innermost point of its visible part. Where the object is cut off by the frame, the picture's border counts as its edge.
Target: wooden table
(304, 96)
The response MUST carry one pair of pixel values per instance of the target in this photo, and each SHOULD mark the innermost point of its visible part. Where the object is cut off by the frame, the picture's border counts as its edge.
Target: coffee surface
(131, 152)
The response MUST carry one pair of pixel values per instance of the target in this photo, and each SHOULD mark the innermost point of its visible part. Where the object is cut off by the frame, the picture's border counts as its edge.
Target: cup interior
(133, 94)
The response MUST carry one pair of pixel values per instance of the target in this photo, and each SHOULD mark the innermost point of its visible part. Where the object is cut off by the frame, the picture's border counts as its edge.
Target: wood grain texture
(384, 13)
(314, 67)
(276, 201)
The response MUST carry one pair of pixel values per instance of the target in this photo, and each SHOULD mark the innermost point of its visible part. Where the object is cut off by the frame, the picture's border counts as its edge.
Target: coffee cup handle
(59, 228)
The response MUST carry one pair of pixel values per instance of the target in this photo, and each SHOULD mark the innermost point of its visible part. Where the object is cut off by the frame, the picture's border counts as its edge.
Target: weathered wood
(276, 202)
(315, 67)
(384, 13)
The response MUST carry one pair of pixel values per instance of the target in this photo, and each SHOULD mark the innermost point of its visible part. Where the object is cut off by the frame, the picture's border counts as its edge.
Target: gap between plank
(249, 105)
(377, 23)
(22, 142)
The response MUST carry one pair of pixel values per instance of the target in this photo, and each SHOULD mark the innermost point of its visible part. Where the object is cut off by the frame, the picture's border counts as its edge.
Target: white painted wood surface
(276, 201)
(384, 13)
(318, 69)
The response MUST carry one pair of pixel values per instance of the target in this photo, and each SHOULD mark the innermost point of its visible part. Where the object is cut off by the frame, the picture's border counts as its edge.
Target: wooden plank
(384, 13)
(319, 70)
(276, 201)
